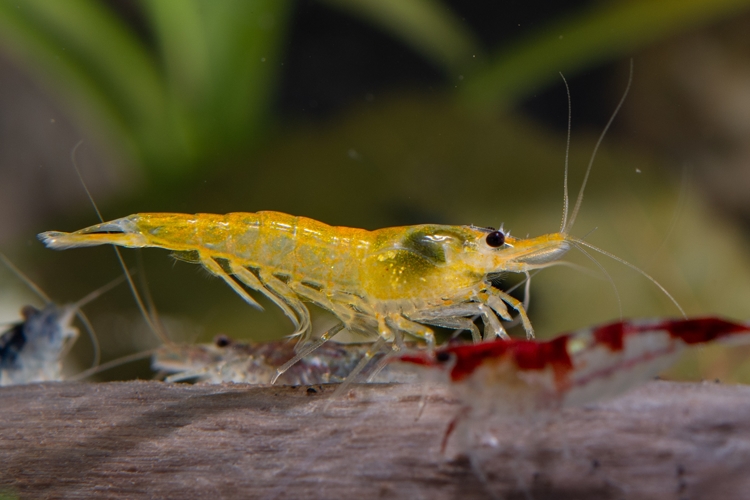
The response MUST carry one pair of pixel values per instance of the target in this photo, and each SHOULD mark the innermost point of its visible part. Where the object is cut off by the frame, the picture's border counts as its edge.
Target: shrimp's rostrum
(388, 282)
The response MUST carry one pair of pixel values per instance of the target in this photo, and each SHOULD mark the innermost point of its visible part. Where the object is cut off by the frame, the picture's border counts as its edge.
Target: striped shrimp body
(225, 360)
(519, 377)
(385, 282)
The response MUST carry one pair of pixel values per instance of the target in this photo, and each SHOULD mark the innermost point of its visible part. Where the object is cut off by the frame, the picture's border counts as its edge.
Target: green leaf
(221, 59)
(181, 34)
(63, 74)
(244, 39)
(427, 26)
(95, 42)
(606, 31)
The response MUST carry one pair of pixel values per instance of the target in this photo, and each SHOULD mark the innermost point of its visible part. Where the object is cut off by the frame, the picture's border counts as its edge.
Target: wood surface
(150, 439)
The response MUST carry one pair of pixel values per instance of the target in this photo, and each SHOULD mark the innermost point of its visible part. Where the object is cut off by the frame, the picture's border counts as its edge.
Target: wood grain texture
(150, 439)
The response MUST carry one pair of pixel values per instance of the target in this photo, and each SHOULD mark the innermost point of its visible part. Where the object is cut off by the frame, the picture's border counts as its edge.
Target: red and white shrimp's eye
(443, 357)
(495, 239)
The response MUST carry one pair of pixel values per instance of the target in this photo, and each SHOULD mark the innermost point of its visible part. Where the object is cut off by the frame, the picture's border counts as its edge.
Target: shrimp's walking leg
(342, 311)
(515, 304)
(497, 305)
(456, 323)
(386, 327)
(454, 424)
(454, 317)
(401, 324)
(414, 329)
(376, 347)
(310, 347)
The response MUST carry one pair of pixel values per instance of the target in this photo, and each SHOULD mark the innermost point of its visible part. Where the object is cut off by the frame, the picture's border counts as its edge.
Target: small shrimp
(255, 363)
(520, 377)
(32, 350)
(383, 284)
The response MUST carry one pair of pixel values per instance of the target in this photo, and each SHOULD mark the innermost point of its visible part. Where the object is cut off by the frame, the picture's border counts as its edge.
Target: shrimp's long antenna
(98, 292)
(150, 305)
(606, 274)
(635, 268)
(566, 199)
(79, 314)
(566, 228)
(159, 333)
(20, 275)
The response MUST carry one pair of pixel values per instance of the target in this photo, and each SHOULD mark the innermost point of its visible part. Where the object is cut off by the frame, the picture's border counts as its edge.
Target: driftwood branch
(150, 439)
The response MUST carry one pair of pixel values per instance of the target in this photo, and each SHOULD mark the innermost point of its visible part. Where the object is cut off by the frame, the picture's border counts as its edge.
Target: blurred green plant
(202, 91)
(605, 31)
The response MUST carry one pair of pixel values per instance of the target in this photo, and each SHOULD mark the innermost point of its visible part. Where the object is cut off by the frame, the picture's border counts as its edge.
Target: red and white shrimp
(521, 377)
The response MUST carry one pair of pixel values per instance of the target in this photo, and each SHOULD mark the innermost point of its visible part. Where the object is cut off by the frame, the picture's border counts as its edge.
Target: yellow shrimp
(383, 283)
(386, 281)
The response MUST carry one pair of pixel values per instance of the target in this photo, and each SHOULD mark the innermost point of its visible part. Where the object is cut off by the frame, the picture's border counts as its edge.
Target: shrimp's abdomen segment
(301, 248)
(305, 249)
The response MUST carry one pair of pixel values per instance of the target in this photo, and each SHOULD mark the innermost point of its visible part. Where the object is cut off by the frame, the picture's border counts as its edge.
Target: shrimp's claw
(123, 232)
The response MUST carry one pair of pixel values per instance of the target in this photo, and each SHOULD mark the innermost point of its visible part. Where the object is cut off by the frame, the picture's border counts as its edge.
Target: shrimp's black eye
(496, 239)
(222, 341)
(442, 356)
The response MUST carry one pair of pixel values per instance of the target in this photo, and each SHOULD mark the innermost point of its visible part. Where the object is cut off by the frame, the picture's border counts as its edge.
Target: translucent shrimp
(523, 378)
(225, 360)
(32, 350)
(383, 284)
